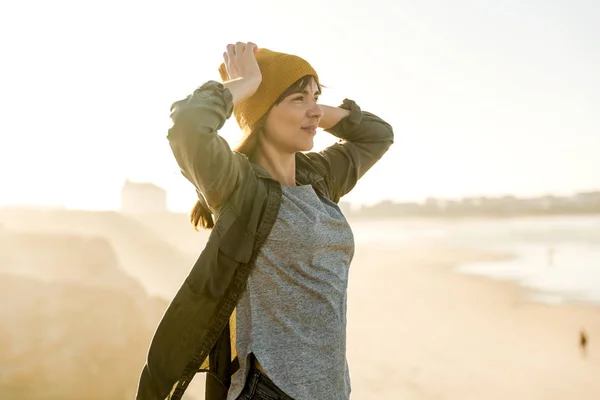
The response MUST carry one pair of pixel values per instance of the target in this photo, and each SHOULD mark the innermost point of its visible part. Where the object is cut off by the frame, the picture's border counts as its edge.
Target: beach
(417, 329)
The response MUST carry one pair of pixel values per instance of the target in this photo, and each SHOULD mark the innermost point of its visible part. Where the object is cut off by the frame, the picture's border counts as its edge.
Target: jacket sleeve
(203, 156)
(364, 139)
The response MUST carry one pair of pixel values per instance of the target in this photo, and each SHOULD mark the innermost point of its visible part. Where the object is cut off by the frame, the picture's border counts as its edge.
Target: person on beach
(583, 342)
(263, 310)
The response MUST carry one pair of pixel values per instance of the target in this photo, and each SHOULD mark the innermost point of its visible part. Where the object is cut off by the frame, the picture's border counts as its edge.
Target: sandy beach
(417, 330)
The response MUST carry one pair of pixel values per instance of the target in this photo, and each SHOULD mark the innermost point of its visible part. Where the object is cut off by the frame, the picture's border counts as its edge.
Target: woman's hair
(200, 214)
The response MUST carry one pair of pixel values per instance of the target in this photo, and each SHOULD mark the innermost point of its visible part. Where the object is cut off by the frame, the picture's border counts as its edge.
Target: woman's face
(292, 124)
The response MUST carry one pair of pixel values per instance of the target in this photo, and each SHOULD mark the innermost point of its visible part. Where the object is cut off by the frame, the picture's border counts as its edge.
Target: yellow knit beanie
(279, 71)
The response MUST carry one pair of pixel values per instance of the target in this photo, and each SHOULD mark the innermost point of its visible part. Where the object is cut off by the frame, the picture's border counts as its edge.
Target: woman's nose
(315, 111)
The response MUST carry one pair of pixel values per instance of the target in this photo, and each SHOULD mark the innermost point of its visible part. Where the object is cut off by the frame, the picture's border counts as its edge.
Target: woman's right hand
(240, 62)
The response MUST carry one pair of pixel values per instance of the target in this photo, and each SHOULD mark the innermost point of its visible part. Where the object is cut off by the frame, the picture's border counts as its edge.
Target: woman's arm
(364, 139)
(332, 116)
(203, 156)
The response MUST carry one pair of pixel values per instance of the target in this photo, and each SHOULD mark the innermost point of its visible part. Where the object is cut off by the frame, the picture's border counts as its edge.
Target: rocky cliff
(74, 324)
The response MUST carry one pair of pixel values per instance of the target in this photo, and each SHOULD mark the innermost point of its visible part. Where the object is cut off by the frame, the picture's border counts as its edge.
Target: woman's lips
(310, 129)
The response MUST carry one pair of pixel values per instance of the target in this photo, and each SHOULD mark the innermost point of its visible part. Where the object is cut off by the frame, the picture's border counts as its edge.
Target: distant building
(142, 197)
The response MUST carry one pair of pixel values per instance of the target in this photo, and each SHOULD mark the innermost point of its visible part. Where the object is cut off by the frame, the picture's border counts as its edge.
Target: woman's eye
(301, 98)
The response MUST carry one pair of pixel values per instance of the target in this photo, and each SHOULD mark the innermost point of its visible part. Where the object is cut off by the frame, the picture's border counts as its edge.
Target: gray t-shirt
(293, 314)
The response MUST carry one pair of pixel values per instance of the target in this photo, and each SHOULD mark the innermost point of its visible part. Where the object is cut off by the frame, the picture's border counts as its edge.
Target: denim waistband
(258, 381)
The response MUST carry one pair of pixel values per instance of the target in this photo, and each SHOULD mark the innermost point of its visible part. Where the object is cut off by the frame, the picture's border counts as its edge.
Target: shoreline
(550, 296)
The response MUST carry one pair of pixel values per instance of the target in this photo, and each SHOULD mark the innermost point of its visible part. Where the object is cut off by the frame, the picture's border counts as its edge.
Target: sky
(487, 97)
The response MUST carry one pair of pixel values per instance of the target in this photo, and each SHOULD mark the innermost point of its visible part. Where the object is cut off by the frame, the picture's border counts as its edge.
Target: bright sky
(486, 97)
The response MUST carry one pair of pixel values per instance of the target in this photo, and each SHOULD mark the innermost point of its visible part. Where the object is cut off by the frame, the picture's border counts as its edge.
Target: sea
(558, 258)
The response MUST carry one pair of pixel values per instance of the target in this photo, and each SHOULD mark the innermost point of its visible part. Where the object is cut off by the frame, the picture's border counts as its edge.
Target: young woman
(263, 310)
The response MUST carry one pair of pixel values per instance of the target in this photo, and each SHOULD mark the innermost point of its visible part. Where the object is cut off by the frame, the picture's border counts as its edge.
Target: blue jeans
(259, 387)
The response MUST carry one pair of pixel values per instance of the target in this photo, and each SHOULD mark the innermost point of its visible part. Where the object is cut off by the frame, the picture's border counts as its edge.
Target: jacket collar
(306, 174)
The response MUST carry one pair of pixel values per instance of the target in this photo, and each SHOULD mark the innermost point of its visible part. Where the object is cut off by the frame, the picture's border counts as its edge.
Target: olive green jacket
(197, 331)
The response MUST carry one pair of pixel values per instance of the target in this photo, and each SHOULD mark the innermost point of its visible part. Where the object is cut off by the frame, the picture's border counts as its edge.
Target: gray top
(293, 314)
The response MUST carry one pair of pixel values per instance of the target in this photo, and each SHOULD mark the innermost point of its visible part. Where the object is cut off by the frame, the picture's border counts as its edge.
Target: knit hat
(279, 71)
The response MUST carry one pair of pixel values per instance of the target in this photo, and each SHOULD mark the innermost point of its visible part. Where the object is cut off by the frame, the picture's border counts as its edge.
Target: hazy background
(486, 97)
(492, 102)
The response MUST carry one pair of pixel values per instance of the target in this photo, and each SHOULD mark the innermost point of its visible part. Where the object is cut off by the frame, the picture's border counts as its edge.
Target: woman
(263, 310)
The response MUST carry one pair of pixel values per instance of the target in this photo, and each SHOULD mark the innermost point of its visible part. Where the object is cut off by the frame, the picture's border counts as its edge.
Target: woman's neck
(281, 166)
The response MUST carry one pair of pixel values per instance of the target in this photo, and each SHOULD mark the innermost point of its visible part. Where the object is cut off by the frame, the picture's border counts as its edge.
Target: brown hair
(200, 215)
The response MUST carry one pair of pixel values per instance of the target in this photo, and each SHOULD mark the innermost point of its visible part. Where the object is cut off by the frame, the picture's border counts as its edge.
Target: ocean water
(565, 272)
(558, 258)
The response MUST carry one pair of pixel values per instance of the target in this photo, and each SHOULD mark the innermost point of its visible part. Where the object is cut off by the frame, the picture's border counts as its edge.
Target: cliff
(141, 252)
(74, 324)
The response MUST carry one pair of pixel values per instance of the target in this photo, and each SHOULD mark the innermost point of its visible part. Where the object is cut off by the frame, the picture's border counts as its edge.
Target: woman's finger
(252, 47)
(230, 52)
(239, 48)
(225, 58)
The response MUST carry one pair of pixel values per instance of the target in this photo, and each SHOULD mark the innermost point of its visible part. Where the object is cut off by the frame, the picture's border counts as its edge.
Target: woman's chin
(308, 146)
